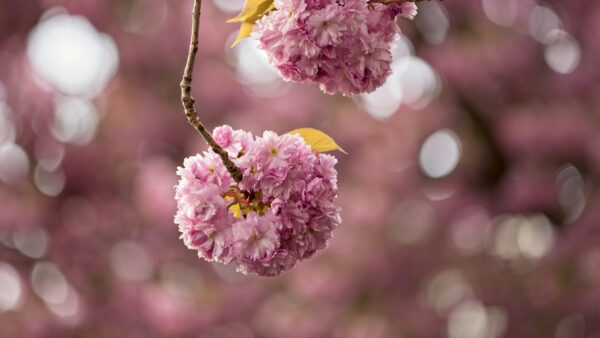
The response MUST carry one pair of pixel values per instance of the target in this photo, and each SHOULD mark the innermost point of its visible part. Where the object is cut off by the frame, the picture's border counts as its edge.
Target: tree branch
(498, 163)
(188, 101)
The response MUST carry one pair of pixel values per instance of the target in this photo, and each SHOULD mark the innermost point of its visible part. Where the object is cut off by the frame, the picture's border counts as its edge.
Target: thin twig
(188, 101)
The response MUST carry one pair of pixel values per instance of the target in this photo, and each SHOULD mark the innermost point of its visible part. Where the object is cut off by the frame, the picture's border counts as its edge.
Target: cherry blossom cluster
(281, 212)
(342, 45)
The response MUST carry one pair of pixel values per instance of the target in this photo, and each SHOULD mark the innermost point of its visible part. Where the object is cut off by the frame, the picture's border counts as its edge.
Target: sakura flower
(209, 170)
(202, 205)
(326, 25)
(294, 7)
(255, 237)
(281, 212)
(343, 46)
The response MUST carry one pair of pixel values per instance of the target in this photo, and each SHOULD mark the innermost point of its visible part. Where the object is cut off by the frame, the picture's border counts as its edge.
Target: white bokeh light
(420, 83)
(31, 242)
(412, 82)
(446, 289)
(572, 194)
(6, 238)
(10, 287)
(501, 12)
(8, 132)
(505, 240)
(49, 154)
(229, 6)
(401, 47)
(467, 321)
(385, 101)
(254, 71)
(542, 21)
(519, 236)
(535, 237)
(67, 52)
(49, 283)
(440, 153)
(14, 163)
(562, 53)
(75, 120)
(69, 308)
(432, 22)
(50, 183)
(473, 320)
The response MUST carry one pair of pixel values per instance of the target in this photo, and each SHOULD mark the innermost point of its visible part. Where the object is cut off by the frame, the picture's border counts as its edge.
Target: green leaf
(317, 140)
(253, 10)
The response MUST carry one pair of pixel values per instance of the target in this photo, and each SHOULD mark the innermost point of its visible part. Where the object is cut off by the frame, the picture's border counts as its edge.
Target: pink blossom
(202, 205)
(231, 140)
(326, 25)
(292, 6)
(255, 237)
(285, 202)
(343, 46)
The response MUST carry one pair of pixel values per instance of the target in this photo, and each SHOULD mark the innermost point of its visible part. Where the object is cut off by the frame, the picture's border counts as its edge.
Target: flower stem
(188, 101)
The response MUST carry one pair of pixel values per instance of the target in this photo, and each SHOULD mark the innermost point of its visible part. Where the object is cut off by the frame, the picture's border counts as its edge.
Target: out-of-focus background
(469, 194)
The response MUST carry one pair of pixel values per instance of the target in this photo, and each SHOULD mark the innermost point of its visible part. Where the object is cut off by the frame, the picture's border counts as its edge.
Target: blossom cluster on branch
(281, 212)
(341, 45)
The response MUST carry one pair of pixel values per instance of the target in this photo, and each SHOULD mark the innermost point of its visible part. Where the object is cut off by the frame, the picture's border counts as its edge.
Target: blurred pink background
(469, 194)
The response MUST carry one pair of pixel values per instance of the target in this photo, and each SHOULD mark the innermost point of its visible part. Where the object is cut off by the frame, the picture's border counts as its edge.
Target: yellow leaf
(237, 212)
(253, 10)
(317, 140)
(245, 30)
(235, 207)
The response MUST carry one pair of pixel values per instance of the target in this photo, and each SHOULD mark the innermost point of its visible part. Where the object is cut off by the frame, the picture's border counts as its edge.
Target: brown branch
(188, 101)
